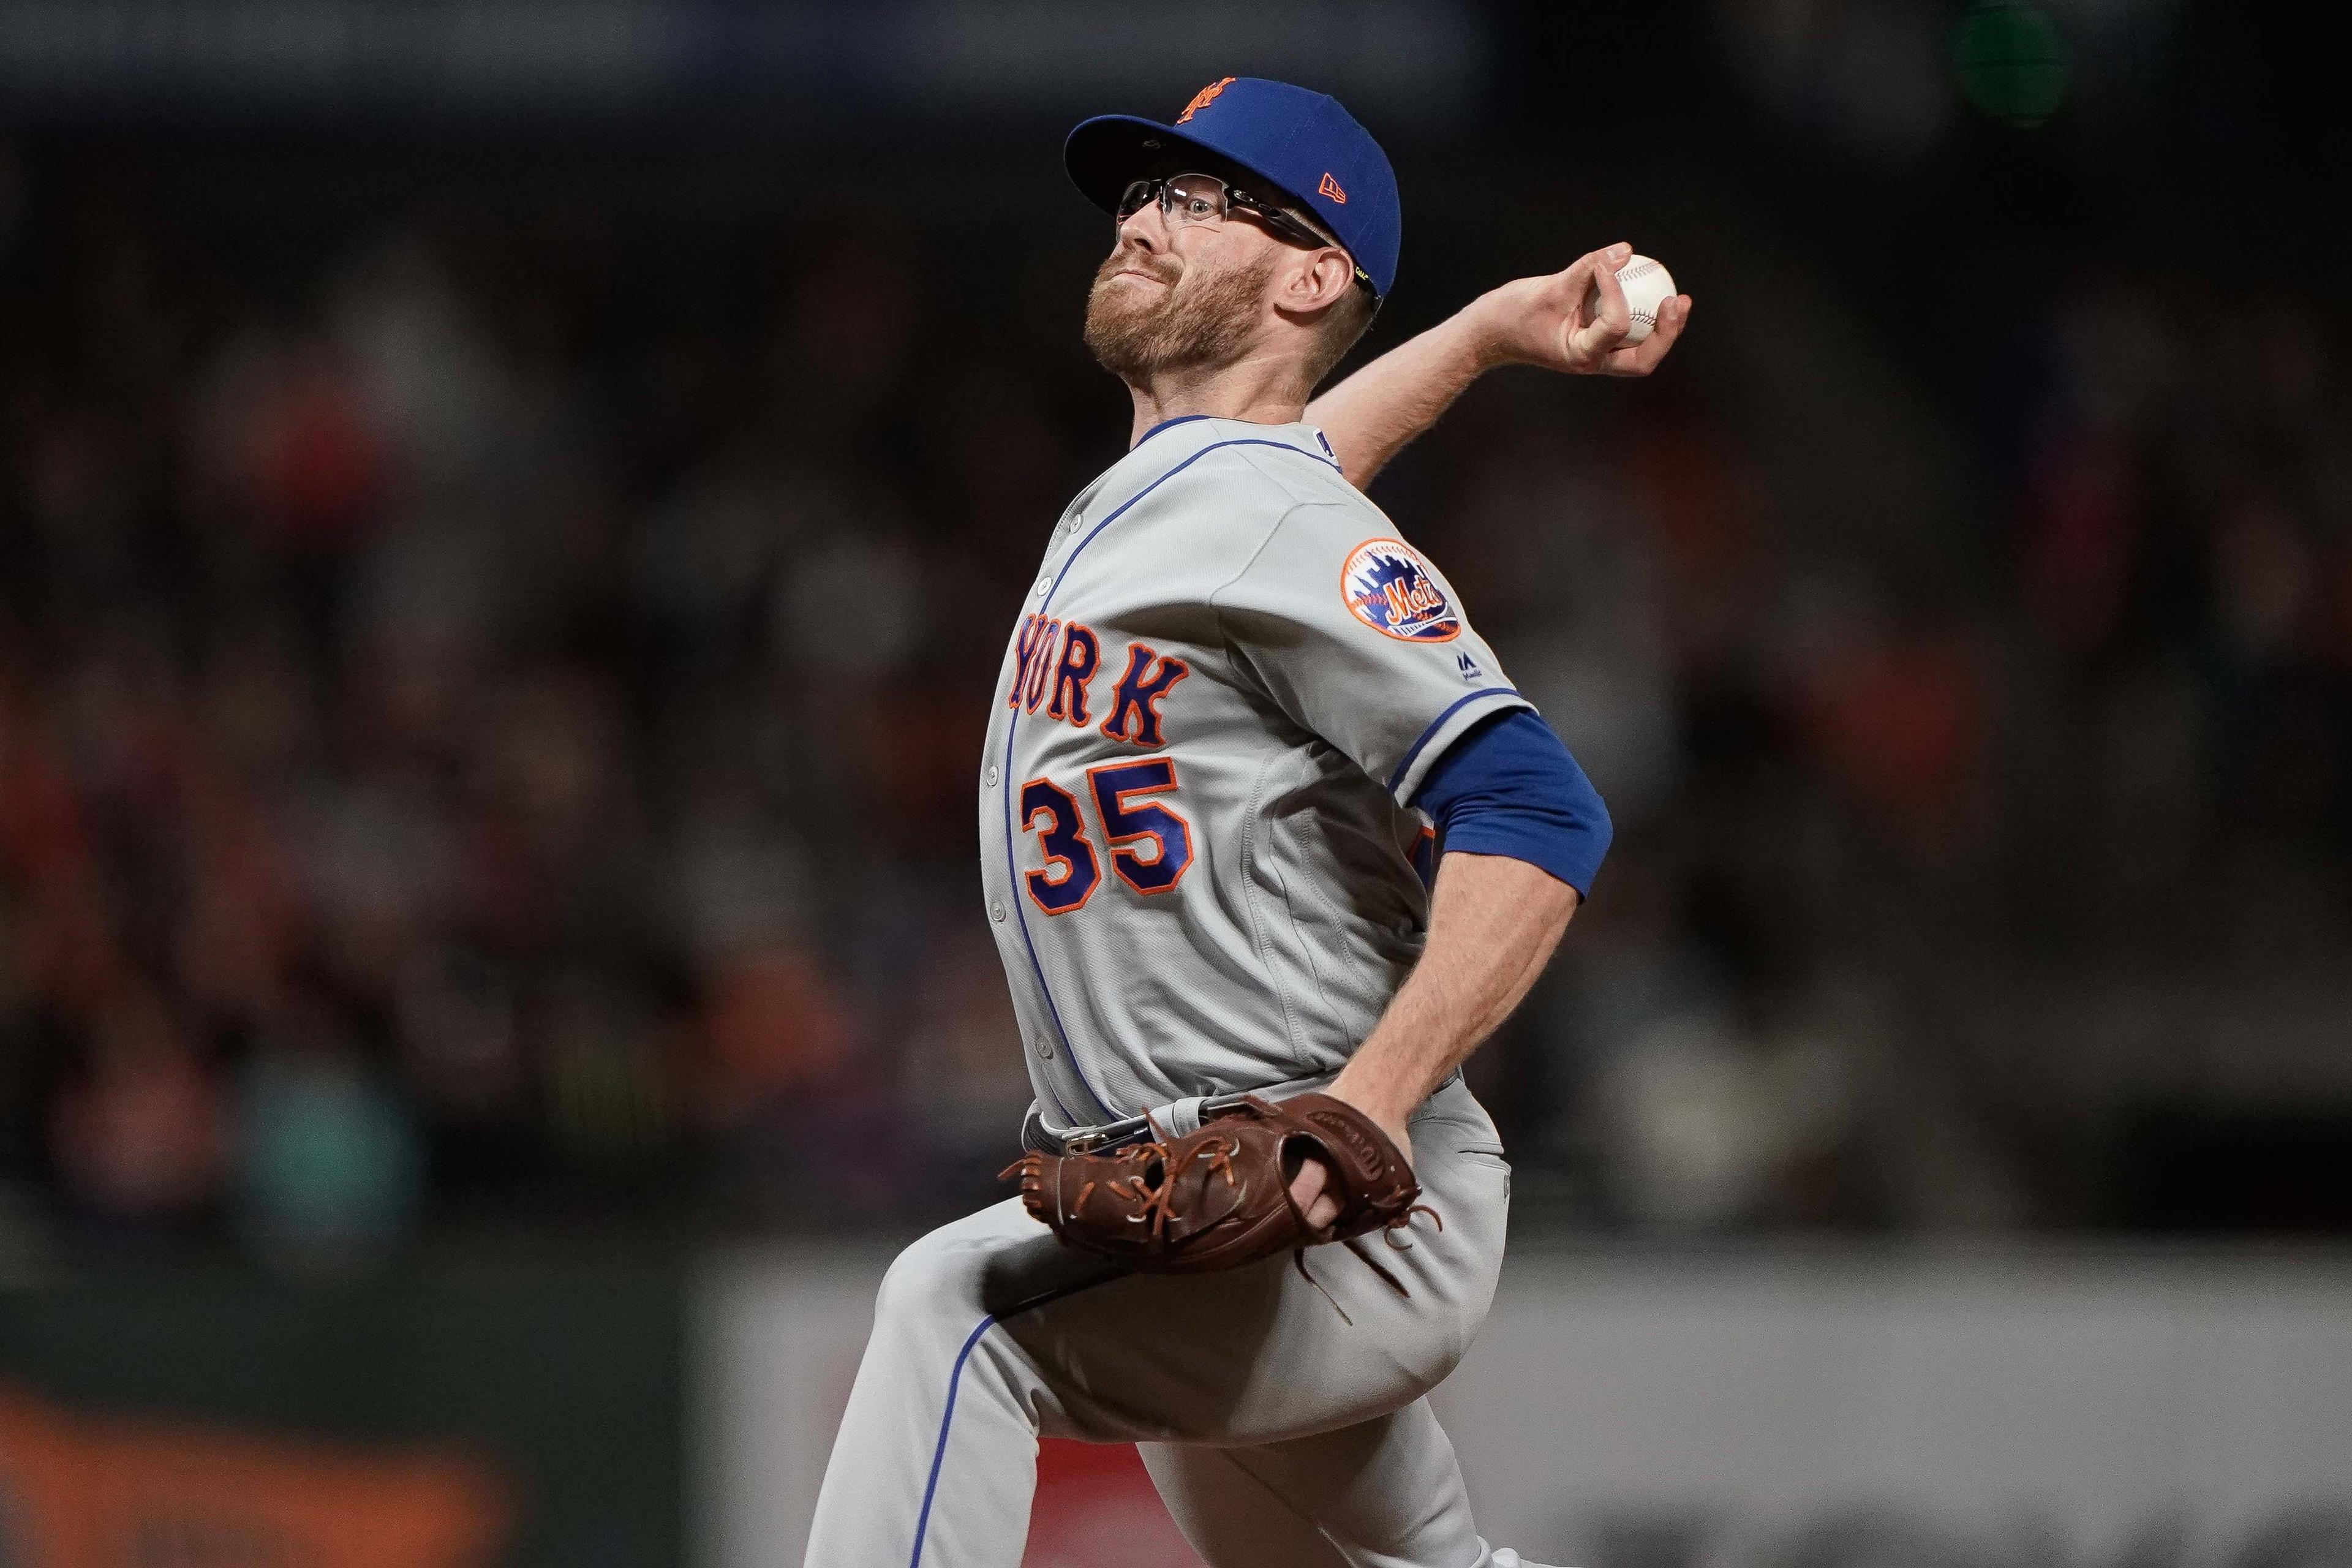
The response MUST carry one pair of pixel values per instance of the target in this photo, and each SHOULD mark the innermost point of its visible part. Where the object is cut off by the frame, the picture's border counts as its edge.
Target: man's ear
(1319, 282)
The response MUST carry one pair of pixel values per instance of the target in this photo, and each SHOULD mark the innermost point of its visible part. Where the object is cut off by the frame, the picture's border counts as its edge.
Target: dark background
(508, 517)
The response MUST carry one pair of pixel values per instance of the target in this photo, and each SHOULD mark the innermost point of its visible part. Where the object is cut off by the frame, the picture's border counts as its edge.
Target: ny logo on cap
(1330, 187)
(1202, 99)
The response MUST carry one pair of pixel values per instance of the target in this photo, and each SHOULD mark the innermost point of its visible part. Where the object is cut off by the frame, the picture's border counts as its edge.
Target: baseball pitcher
(1269, 845)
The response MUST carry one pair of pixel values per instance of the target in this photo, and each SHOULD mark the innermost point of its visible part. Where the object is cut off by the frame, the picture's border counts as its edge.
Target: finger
(1584, 266)
(1591, 266)
(1307, 1187)
(1563, 291)
(1642, 358)
(1612, 306)
(1611, 319)
(1567, 292)
(1311, 1197)
(1673, 315)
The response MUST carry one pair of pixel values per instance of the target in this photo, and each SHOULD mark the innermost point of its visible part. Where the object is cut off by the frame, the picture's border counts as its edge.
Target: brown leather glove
(1221, 1197)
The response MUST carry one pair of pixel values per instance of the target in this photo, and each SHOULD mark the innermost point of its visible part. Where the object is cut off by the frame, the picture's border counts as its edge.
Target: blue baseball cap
(1301, 144)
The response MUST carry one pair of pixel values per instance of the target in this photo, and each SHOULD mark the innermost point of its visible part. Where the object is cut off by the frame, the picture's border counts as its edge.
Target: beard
(1185, 322)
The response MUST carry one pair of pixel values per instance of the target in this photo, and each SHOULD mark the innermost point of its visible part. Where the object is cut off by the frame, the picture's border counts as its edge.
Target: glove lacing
(1158, 1202)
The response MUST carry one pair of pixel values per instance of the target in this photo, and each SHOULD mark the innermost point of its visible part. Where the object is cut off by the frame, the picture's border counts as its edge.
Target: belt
(1176, 1118)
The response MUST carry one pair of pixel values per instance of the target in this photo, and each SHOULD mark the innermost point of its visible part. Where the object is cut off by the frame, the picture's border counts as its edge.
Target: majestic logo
(1391, 589)
(1206, 96)
(1330, 187)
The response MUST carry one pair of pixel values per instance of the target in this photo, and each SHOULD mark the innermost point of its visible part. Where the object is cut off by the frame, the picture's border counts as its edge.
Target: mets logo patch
(1391, 589)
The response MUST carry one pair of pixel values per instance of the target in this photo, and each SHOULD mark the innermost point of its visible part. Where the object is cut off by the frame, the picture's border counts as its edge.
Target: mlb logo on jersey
(1390, 588)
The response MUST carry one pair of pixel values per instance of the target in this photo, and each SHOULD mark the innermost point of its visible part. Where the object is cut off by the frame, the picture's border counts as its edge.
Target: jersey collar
(1166, 424)
(1172, 440)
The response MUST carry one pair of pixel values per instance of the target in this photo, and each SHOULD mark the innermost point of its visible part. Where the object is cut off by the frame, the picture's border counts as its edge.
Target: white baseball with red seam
(1647, 286)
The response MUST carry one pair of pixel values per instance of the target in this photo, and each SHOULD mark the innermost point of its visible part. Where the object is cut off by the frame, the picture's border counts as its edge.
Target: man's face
(1178, 297)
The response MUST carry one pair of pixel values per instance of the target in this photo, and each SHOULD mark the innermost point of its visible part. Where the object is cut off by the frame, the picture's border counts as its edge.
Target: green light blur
(2011, 64)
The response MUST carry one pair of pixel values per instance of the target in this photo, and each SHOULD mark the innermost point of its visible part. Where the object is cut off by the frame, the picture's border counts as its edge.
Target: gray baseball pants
(1283, 1419)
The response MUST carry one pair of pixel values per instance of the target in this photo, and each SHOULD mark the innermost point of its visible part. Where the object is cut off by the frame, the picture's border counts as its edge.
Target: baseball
(1647, 286)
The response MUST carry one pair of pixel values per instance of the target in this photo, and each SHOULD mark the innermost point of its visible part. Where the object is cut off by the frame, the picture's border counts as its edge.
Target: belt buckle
(1104, 1140)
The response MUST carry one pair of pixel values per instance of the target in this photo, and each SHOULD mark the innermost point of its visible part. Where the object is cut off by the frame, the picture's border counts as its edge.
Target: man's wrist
(1372, 1098)
(1484, 331)
(1466, 347)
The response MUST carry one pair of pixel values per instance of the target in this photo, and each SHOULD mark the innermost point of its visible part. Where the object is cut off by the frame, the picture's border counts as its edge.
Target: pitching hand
(1542, 321)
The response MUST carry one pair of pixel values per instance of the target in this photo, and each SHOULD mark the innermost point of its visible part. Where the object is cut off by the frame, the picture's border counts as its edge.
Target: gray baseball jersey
(1231, 677)
(1201, 872)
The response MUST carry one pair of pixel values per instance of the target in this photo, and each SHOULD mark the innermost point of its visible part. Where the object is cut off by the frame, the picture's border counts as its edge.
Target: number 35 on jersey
(1150, 844)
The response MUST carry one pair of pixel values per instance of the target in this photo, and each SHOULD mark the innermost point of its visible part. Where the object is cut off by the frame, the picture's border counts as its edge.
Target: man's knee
(993, 1263)
(932, 1319)
(933, 1281)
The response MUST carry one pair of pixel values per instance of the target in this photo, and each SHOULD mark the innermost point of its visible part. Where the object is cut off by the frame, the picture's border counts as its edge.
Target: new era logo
(1330, 187)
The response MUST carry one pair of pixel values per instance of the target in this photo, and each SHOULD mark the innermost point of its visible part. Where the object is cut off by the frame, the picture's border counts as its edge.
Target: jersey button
(997, 912)
(1045, 1050)
(991, 775)
(1043, 584)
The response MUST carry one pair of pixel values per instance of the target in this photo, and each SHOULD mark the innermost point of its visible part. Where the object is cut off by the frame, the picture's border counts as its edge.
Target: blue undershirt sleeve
(1509, 787)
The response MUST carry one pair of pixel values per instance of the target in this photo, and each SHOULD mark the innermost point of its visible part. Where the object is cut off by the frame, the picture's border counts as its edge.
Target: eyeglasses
(1204, 198)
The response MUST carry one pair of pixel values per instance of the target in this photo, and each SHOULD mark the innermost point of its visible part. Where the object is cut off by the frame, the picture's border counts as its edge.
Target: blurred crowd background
(500, 587)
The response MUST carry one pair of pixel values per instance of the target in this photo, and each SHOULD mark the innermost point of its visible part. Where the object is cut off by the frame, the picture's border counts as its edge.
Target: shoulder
(1266, 468)
(1224, 493)
(1297, 476)
(1340, 552)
